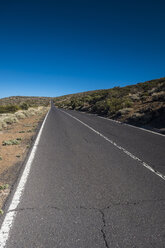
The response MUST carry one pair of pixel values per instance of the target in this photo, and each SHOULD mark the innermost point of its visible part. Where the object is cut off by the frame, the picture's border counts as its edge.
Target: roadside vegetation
(15, 103)
(17, 130)
(13, 108)
(19, 119)
(11, 142)
(139, 104)
(6, 119)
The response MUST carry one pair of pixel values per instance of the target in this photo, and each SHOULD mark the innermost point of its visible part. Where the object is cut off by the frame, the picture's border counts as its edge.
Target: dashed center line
(119, 147)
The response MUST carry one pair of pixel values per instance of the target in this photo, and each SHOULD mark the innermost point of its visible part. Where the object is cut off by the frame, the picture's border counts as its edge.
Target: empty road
(92, 183)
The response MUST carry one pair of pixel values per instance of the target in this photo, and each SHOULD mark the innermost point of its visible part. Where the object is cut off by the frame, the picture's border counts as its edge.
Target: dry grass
(11, 156)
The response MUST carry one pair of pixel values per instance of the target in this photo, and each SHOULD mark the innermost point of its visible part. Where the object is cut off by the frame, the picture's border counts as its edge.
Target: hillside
(141, 104)
(15, 103)
(18, 100)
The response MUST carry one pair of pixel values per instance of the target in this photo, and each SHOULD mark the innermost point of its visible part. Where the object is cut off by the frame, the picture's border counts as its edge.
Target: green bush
(11, 142)
(114, 104)
(4, 186)
(24, 106)
(100, 108)
(9, 109)
(127, 103)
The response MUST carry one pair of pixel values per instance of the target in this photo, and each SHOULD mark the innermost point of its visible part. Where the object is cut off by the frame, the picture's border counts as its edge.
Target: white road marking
(11, 214)
(126, 124)
(119, 147)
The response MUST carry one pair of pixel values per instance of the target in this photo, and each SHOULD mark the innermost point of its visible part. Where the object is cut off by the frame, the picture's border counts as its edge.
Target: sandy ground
(12, 156)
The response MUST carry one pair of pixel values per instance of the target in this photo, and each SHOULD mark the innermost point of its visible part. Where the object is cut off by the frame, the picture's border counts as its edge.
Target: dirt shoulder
(15, 141)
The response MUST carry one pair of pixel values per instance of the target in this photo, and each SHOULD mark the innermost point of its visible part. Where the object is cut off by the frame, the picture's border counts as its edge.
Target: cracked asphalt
(83, 192)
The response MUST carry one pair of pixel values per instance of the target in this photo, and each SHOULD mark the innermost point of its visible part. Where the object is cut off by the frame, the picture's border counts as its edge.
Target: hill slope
(140, 104)
(30, 100)
(15, 103)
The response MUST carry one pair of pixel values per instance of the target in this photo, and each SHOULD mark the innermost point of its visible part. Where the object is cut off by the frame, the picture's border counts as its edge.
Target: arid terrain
(15, 141)
(30, 100)
(142, 104)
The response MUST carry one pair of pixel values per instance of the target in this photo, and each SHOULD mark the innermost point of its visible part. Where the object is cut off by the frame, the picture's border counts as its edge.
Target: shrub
(11, 142)
(8, 109)
(24, 106)
(124, 111)
(4, 186)
(10, 120)
(100, 108)
(1, 211)
(160, 96)
(20, 115)
(127, 103)
(114, 104)
(2, 124)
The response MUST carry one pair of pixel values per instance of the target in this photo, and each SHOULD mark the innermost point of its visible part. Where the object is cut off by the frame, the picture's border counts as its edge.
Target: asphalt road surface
(88, 187)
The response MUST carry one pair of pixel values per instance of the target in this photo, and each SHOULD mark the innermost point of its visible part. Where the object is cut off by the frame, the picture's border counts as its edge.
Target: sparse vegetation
(19, 105)
(24, 106)
(15, 103)
(29, 131)
(137, 104)
(20, 115)
(15, 139)
(4, 186)
(1, 211)
(11, 142)
(9, 109)
(10, 118)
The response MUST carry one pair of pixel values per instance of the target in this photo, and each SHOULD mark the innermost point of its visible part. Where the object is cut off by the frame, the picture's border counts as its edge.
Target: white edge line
(119, 147)
(126, 124)
(11, 213)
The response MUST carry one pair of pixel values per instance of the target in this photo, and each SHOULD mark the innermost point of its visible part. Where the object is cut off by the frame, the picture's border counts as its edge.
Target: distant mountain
(139, 104)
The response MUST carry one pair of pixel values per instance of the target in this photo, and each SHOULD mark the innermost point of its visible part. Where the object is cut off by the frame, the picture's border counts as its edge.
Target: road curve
(84, 191)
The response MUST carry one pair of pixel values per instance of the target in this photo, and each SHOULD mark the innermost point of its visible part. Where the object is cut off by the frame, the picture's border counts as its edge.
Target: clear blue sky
(51, 48)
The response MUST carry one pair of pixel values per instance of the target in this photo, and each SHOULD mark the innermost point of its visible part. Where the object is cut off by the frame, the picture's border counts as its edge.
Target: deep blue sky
(50, 48)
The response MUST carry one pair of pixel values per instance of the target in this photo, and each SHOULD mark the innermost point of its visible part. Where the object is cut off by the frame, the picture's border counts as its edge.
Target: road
(88, 187)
